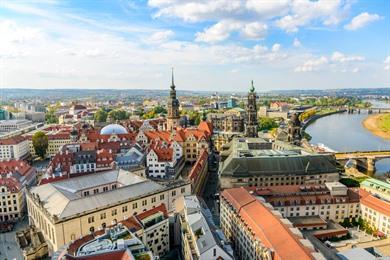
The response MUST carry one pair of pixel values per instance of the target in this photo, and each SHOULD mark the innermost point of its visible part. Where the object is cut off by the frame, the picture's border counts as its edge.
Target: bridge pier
(370, 165)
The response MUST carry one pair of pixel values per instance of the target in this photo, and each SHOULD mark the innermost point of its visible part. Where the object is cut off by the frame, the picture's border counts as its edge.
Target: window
(153, 199)
(113, 212)
(183, 190)
(103, 216)
(162, 197)
(91, 219)
(124, 209)
(144, 202)
(173, 193)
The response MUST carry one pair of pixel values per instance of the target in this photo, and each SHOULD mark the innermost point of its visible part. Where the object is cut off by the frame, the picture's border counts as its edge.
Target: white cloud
(312, 65)
(252, 15)
(337, 61)
(254, 30)
(161, 36)
(387, 63)
(297, 43)
(355, 70)
(304, 12)
(340, 57)
(362, 20)
(218, 32)
(268, 9)
(276, 47)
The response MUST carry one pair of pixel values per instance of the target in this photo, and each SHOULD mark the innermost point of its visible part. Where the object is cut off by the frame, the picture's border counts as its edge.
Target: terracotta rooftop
(266, 226)
(369, 200)
(198, 166)
(12, 140)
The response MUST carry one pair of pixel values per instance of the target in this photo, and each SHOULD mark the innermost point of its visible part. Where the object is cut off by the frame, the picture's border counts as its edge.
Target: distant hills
(9, 93)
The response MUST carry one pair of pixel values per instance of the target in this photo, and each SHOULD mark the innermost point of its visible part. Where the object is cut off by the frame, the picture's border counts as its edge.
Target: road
(212, 188)
(9, 249)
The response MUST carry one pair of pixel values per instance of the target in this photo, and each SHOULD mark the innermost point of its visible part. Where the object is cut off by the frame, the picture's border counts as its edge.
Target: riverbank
(318, 116)
(379, 125)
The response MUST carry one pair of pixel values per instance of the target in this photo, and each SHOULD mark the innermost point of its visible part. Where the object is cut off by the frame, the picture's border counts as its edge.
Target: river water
(345, 132)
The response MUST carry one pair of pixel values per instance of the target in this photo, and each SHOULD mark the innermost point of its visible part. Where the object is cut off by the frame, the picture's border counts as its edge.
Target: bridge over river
(365, 159)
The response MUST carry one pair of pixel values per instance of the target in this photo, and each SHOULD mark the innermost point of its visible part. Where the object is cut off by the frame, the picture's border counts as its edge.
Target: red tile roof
(19, 166)
(369, 200)
(161, 208)
(200, 163)
(266, 226)
(163, 150)
(12, 140)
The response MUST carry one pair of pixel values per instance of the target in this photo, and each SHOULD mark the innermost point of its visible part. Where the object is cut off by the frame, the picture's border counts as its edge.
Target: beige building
(66, 210)
(376, 212)
(257, 231)
(332, 201)
(15, 177)
(200, 238)
(14, 148)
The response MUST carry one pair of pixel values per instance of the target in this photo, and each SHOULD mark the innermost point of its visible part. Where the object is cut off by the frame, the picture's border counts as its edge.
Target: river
(345, 132)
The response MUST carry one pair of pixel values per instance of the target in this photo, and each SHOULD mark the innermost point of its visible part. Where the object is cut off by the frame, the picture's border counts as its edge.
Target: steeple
(252, 89)
(173, 107)
(251, 124)
(173, 81)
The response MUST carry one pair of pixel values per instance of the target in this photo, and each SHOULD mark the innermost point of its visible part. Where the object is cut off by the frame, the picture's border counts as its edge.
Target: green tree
(50, 116)
(40, 143)
(100, 115)
(118, 114)
(267, 123)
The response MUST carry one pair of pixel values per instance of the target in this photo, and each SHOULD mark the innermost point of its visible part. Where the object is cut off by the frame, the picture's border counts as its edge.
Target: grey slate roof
(64, 198)
(279, 164)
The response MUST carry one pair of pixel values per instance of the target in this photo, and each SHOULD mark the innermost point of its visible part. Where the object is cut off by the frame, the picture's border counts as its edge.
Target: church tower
(294, 130)
(251, 123)
(173, 108)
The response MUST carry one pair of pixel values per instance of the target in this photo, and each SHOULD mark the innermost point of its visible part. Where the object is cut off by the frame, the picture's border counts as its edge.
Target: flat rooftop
(307, 221)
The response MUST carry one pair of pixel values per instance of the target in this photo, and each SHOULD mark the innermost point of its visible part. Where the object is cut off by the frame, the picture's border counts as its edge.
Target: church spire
(173, 81)
(252, 89)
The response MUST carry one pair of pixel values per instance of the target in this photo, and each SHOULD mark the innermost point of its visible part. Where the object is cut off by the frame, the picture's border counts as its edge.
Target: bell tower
(251, 123)
(173, 108)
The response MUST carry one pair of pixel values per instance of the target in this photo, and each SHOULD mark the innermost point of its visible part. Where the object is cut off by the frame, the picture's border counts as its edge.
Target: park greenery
(118, 114)
(155, 112)
(267, 123)
(40, 143)
(350, 182)
(50, 116)
(101, 115)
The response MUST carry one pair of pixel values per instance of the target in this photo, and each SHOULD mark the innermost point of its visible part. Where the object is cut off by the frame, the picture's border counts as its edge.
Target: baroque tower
(294, 130)
(251, 123)
(173, 108)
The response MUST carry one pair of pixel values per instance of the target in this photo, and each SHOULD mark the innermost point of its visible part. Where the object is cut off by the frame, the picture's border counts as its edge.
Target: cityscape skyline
(217, 46)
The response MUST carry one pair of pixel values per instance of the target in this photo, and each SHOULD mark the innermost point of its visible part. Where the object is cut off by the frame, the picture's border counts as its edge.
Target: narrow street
(9, 249)
(211, 188)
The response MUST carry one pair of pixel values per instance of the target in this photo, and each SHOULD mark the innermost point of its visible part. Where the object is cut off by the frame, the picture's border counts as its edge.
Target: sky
(218, 45)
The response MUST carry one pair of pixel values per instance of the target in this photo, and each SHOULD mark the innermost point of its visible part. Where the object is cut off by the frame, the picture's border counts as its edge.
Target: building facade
(257, 231)
(15, 177)
(14, 148)
(68, 209)
(256, 162)
(200, 237)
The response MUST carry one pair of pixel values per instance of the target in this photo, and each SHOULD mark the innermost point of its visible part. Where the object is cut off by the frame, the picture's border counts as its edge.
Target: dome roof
(113, 129)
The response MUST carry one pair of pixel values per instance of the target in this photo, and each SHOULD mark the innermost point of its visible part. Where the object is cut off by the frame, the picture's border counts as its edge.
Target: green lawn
(384, 122)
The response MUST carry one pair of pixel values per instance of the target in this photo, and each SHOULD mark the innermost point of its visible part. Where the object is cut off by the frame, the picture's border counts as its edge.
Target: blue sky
(213, 45)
